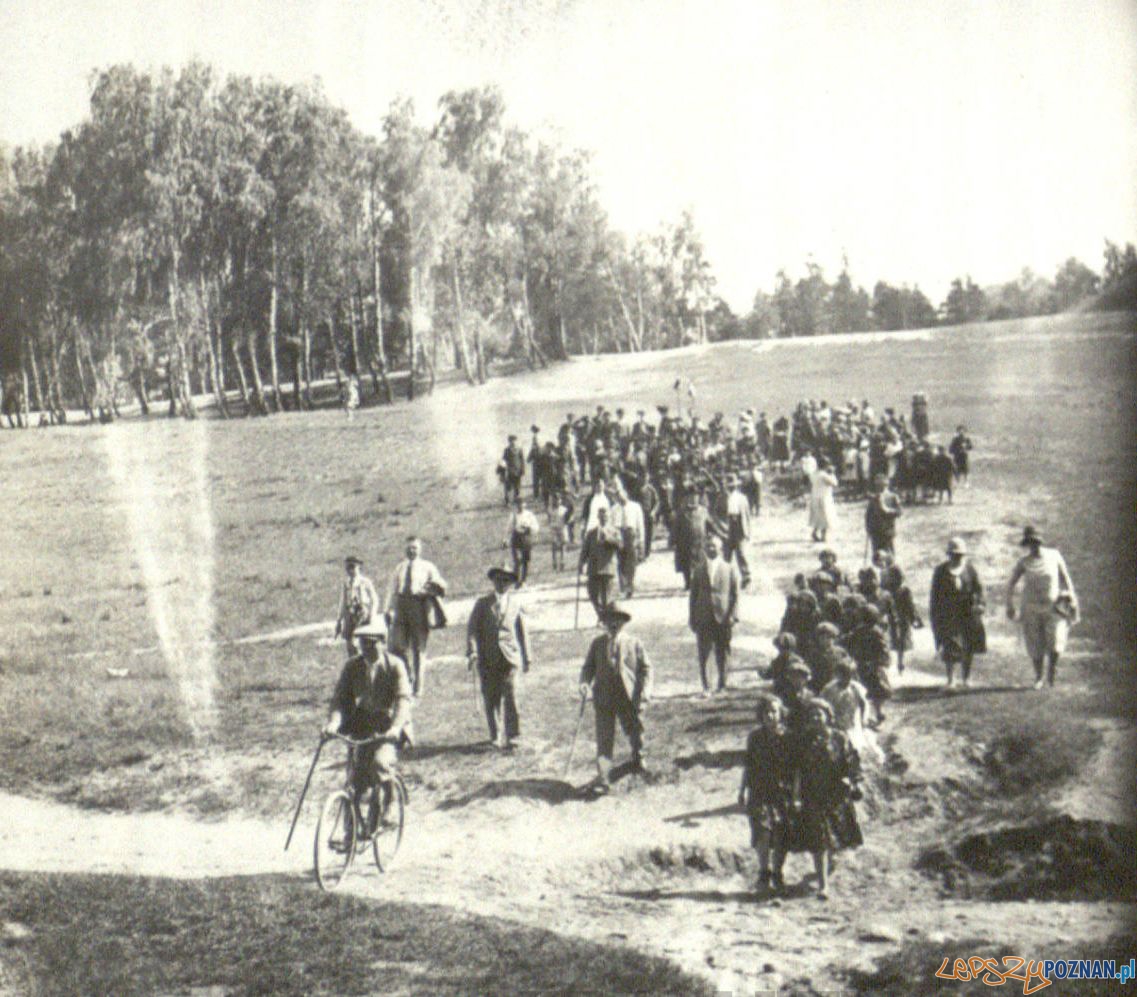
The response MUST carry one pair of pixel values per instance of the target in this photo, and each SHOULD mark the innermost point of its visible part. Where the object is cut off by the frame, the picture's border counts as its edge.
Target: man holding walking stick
(618, 673)
(497, 644)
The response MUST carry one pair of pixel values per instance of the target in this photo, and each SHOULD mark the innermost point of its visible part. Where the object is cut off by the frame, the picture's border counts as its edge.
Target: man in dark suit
(497, 645)
(513, 470)
(618, 674)
(598, 552)
(713, 610)
(690, 533)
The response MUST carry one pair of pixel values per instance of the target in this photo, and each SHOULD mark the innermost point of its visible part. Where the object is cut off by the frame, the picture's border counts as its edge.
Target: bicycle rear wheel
(334, 846)
(389, 835)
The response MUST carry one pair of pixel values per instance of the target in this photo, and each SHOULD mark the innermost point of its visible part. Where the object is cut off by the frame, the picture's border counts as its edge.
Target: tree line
(198, 235)
(812, 306)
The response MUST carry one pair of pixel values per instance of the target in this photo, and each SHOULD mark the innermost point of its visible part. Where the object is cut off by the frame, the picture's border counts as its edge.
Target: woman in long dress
(822, 507)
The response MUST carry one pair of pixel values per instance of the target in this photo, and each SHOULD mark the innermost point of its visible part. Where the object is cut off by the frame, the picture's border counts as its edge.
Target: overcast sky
(924, 138)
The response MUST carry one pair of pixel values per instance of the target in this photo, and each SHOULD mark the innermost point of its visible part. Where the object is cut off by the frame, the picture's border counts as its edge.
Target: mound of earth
(1059, 859)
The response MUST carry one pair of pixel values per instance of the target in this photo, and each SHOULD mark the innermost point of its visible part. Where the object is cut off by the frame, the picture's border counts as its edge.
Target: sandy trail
(612, 869)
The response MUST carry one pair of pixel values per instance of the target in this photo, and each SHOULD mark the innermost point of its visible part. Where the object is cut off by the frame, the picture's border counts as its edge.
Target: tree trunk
(335, 349)
(460, 332)
(211, 352)
(273, 307)
(243, 384)
(411, 344)
(305, 341)
(376, 275)
(260, 403)
(36, 382)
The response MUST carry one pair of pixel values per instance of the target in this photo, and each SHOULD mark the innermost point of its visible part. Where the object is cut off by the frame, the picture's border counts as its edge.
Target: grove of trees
(241, 239)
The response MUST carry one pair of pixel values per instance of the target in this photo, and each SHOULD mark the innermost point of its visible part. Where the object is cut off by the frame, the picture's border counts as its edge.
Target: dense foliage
(196, 235)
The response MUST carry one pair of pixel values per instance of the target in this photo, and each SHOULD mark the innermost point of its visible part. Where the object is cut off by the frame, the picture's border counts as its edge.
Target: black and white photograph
(568, 497)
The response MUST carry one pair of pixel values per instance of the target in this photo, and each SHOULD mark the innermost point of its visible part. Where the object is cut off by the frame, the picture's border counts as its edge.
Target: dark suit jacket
(498, 638)
(714, 593)
(629, 676)
(598, 551)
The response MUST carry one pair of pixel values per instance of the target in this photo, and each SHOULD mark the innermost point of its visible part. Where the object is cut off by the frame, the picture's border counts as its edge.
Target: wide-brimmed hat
(828, 552)
(352, 559)
(375, 630)
(1030, 536)
(828, 628)
(956, 546)
(497, 571)
(534, 429)
(614, 611)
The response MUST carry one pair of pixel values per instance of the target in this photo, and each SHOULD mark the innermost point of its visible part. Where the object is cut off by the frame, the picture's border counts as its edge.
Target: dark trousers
(649, 532)
(713, 637)
(627, 561)
(737, 550)
(512, 489)
(607, 713)
(599, 591)
(500, 698)
(882, 541)
(521, 551)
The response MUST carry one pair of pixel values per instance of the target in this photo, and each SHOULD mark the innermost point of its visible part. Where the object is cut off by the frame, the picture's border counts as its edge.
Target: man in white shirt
(358, 602)
(1049, 604)
(520, 536)
(630, 520)
(412, 598)
(737, 528)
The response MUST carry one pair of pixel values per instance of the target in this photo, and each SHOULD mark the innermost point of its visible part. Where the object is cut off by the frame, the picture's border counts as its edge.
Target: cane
(576, 604)
(575, 735)
(304, 791)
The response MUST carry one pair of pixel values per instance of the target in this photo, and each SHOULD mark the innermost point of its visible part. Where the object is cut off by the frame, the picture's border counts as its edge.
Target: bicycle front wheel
(335, 840)
(389, 834)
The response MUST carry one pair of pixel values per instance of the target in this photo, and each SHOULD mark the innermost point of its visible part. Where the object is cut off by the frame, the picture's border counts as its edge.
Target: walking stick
(576, 604)
(575, 735)
(304, 791)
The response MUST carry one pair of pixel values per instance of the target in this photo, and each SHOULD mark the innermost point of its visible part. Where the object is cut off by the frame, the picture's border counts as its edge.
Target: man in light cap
(358, 602)
(372, 697)
(618, 673)
(955, 612)
(497, 645)
(1049, 604)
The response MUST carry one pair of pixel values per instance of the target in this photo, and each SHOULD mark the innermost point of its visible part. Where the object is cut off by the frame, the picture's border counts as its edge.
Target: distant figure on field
(359, 602)
(520, 537)
(712, 611)
(598, 553)
(1049, 604)
(414, 608)
(881, 513)
(960, 450)
(512, 469)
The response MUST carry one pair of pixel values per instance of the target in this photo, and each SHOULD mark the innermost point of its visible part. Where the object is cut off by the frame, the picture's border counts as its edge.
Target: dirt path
(662, 867)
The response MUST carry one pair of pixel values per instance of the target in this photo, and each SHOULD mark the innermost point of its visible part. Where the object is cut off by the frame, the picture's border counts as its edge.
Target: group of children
(802, 763)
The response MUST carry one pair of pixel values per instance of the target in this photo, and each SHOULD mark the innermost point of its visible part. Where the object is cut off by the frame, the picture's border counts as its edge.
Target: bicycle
(343, 826)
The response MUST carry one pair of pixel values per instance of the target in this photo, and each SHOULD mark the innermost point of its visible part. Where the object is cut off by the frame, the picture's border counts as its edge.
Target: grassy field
(273, 935)
(156, 547)
(118, 536)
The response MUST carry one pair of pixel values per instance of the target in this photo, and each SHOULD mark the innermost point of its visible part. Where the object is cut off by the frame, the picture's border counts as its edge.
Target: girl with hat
(826, 782)
(764, 792)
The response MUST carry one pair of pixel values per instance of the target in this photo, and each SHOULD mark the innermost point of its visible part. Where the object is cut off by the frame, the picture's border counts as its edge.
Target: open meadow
(167, 599)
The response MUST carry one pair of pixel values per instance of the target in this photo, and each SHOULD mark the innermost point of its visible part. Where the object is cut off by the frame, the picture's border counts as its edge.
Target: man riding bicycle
(372, 698)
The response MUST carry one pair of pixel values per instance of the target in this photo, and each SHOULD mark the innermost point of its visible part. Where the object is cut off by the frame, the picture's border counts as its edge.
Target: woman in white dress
(822, 507)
